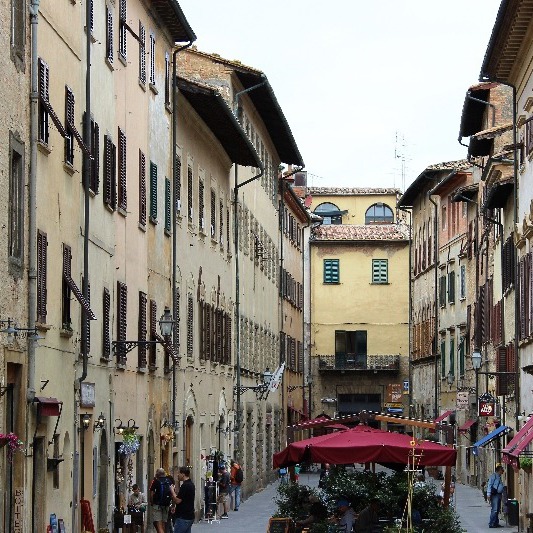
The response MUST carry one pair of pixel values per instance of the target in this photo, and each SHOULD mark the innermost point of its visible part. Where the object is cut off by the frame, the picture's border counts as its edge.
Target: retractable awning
(48, 406)
(466, 426)
(444, 415)
(517, 444)
(487, 439)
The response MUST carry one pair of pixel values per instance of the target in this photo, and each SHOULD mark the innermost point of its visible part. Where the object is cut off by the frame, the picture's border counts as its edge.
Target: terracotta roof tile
(490, 133)
(461, 164)
(370, 232)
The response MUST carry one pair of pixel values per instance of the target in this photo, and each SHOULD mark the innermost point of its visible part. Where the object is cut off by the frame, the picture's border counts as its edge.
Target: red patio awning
(48, 406)
(444, 415)
(517, 444)
(466, 426)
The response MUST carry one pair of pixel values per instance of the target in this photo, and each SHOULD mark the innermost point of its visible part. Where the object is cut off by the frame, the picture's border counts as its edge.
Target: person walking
(160, 499)
(236, 478)
(223, 490)
(184, 500)
(495, 488)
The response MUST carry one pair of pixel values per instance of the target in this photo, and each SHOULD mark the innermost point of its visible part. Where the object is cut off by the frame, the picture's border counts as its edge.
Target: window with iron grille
(213, 215)
(109, 48)
(190, 326)
(201, 205)
(142, 189)
(122, 32)
(177, 183)
(42, 256)
(110, 178)
(189, 193)
(69, 119)
(167, 79)
(66, 320)
(16, 206)
(168, 209)
(331, 271)
(106, 325)
(122, 323)
(18, 31)
(142, 330)
(94, 177)
(142, 53)
(380, 270)
(152, 59)
(152, 353)
(122, 179)
(153, 192)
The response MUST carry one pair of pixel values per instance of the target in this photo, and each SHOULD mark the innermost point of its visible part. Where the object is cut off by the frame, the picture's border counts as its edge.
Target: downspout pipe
(175, 224)
(410, 306)
(437, 303)
(485, 77)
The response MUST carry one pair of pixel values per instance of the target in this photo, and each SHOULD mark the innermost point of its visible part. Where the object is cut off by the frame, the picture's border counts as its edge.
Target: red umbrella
(363, 444)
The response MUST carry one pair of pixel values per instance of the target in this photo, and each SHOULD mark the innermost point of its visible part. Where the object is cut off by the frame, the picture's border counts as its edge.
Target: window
(443, 217)
(221, 224)
(168, 210)
(153, 192)
(152, 59)
(167, 79)
(177, 183)
(152, 362)
(379, 213)
(350, 348)
(44, 81)
(452, 356)
(18, 31)
(94, 178)
(380, 270)
(122, 32)
(190, 326)
(106, 325)
(462, 356)
(142, 331)
(201, 206)
(442, 291)
(462, 292)
(109, 49)
(443, 357)
(122, 322)
(142, 53)
(66, 320)
(329, 212)
(16, 206)
(42, 245)
(213, 215)
(110, 177)
(331, 271)
(189, 193)
(86, 324)
(142, 189)
(122, 180)
(451, 287)
(69, 120)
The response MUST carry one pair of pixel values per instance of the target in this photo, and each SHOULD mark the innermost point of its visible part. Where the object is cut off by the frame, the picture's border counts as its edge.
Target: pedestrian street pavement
(254, 513)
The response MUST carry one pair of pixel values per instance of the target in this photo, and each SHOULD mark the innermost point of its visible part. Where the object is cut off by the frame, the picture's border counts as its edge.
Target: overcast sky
(364, 84)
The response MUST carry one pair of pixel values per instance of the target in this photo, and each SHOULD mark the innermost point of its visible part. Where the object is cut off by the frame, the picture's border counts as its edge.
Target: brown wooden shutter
(177, 183)
(219, 335)
(106, 329)
(110, 193)
(142, 330)
(122, 308)
(142, 53)
(109, 35)
(190, 328)
(501, 366)
(142, 188)
(152, 360)
(69, 119)
(95, 162)
(86, 321)
(122, 192)
(42, 255)
(189, 193)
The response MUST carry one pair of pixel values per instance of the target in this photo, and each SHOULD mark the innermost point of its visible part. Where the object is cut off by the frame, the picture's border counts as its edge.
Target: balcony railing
(390, 363)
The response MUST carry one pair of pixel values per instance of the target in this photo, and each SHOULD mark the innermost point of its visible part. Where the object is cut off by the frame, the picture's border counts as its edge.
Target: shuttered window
(42, 256)
(122, 308)
(109, 49)
(69, 120)
(142, 331)
(452, 356)
(221, 224)
(122, 32)
(142, 53)
(86, 322)
(190, 326)
(228, 241)
(228, 340)
(168, 209)
(177, 183)
(443, 358)
(451, 287)
(66, 321)
(167, 79)
(94, 183)
(189, 193)
(529, 135)
(152, 59)
(462, 357)
(201, 205)
(153, 192)
(110, 179)
(18, 29)
(213, 215)
(106, 325)
(380, 271)
(44, 81)
(442, 291)
(177, 317)
(152, 361)
(331, 271)
(142, 188)
(122, 179)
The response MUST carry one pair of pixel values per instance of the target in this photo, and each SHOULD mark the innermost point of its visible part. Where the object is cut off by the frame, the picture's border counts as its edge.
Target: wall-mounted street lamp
(166, 325)
(261, 389)
(86, 421)
(133, 426)
(13, 331)
(119, 429)
(174, 426)
(99, 423)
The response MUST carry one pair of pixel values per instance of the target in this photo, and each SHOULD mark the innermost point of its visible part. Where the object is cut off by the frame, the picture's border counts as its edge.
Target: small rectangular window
(380, 270)
(18, 30)
(331, 271)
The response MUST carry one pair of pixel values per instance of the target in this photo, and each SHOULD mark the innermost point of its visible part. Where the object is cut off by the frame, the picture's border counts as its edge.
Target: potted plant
(130, 442)
(526, 464)
(13, 443)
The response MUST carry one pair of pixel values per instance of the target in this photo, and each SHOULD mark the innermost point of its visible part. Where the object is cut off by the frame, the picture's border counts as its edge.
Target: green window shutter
(153, 192)
(380, 271)
(451, 287)
(443, 358)
(452, 356)
(168, 222)
(331, 271)
(462, 357)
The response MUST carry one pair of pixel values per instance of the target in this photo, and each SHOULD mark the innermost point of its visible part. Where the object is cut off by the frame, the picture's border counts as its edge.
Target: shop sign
(394, 392)
(18, 512)
(392, 405)
(461, 402)
(487, 408)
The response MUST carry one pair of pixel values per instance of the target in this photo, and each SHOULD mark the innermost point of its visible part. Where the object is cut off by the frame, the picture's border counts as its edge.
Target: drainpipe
(436, 259)
(32, 229)
(308, 373)
(174, 226)
(410, 306)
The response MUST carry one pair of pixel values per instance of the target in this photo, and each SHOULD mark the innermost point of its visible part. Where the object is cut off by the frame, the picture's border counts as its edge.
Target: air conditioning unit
(178, 205)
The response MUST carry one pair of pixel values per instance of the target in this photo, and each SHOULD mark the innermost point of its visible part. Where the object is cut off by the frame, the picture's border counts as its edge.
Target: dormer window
(330, 213)
(379, 213)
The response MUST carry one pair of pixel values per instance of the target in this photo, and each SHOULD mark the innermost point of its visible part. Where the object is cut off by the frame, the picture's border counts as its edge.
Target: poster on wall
(461, 402)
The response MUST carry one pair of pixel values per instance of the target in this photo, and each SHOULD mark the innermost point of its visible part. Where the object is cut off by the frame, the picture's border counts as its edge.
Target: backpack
(239, 476)
(162, 496)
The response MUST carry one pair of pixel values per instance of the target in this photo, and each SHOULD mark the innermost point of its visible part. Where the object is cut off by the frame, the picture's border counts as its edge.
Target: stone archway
(103, 477)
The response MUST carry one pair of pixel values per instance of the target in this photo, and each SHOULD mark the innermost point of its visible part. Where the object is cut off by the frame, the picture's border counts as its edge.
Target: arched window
(379, 214)
(329, 212)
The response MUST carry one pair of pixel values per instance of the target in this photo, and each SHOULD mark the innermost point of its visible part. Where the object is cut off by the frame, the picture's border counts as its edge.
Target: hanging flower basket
(13, 443)
(525, 464)
(130, 442)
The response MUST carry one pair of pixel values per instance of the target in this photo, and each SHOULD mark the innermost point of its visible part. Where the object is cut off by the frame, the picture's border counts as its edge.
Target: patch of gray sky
(372, 89)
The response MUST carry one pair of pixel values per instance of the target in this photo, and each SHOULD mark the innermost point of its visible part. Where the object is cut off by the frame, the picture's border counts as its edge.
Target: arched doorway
(103, 461)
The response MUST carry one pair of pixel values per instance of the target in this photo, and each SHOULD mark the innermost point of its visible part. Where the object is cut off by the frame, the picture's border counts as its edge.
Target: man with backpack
(160, 499)
(237, 477)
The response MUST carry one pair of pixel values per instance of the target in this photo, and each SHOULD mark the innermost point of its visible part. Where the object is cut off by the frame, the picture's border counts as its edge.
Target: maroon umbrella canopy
(363, 444)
